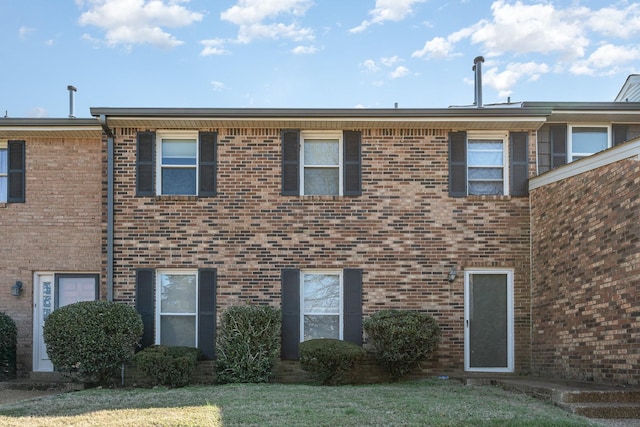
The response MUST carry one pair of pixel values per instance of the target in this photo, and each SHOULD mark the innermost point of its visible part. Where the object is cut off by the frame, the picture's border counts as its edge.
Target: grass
(418, 403)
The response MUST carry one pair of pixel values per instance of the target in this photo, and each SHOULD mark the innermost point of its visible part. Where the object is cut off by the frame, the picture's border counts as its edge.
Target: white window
(486, 163)
(178, 165)
(587, 140)
(321, 154)
(321, 305)
(177, 308)
(3, 171)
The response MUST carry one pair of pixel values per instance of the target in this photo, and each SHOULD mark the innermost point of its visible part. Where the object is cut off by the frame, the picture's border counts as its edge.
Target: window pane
(3, 189)
(589, 139)
(479, 188)
(179, 181)
(321, 293)
(3, 162)
(178, 293)
(485, 173)
(321, 152)
(178, 152)
(178, 331)
(321, 327)
(323, 181)
(485, 153)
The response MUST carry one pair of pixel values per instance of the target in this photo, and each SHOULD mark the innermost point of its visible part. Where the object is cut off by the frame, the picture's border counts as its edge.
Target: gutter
(110, 203)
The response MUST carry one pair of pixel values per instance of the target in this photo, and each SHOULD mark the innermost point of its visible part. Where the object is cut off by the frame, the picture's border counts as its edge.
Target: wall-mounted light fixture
(16, 289)
(452, 274)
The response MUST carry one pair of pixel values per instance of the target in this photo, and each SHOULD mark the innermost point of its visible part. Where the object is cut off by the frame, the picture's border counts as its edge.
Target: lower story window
(321, 302)
(177, 314)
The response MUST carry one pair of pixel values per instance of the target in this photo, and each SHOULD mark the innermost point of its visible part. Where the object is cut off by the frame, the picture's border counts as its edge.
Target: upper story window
(325, 163)
(177, 169)
(322, 163)
(176, 163)
(3, 172)
(486, 160)
(488, 163)
(587, 140)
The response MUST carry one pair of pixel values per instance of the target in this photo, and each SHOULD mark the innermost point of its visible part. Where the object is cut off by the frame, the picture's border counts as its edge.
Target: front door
(489, 321)
(52, 291)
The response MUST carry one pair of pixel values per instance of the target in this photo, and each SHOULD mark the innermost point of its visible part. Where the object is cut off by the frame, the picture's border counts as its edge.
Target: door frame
(39, 363)
(510, 320)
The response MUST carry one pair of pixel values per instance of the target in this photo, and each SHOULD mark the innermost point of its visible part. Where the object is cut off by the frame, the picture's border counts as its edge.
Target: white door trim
(510, 321)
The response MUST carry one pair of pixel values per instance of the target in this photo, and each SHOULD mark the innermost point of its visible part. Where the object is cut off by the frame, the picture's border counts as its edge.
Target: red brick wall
(405, 232)
(585, 275)
(58, 229)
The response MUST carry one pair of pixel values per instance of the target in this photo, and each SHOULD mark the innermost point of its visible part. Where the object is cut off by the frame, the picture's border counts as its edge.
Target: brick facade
(585, 275)
(57, 229)
(404, 231)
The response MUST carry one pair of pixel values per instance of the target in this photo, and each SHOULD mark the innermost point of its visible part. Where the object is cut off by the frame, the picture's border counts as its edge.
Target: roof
(630, 91)
(49, 128)
(304, 118)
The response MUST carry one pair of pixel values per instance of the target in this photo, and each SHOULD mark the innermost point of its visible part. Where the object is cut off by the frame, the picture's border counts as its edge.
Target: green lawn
(419, 403)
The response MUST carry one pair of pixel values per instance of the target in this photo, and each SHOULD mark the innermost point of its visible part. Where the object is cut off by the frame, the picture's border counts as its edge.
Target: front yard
(416, 403)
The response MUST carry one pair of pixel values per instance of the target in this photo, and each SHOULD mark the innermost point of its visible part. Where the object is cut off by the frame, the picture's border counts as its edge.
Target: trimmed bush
(401, 339)
(248, 342)
(169, 366)
(8, 345)
(92, 339)
(329, 360)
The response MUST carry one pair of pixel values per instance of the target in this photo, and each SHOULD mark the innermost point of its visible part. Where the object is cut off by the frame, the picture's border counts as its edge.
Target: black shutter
(458, 164)
(352, 331)
(352, 163)
(619, 134)
(145, 169)
(145, 304)
(519, 153)
(208, 163)
(290, 304)
(16, 172)
(558, 145)
(290, 162)
(207, 312)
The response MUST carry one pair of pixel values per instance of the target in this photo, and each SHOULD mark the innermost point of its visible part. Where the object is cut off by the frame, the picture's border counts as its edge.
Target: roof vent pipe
(477, 68)
(71, 90)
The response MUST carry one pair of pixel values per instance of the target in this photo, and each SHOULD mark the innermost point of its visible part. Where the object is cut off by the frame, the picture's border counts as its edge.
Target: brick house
(333, 214)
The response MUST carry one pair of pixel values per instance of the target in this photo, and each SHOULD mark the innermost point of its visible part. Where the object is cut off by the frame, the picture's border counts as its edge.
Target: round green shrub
(248, 343)
(8, 345)
(169, 366)
(92, 338)
(401, 339)
(329, 360)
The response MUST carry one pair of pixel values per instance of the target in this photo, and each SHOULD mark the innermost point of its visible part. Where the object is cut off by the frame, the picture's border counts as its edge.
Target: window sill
(3, 205)
(175, 198)
(489, 198)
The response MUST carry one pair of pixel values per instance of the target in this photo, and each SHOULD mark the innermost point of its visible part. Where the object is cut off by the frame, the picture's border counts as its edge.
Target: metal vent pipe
(71, 90)
(477, 68)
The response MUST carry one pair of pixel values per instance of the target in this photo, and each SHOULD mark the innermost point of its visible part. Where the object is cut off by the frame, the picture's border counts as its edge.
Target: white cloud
(389, 62)
(304, 50)
(38, 112)
(387, 10)
(217, 86)
(436, 48)
(606, 60)
(259, 19)
(131, 22)
(213, 47)
(504, 80)
(400, 71)
(23, 32)
(370, 65)
(620, 23)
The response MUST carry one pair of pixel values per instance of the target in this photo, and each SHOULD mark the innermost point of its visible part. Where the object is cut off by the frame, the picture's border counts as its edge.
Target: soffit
(49, 128)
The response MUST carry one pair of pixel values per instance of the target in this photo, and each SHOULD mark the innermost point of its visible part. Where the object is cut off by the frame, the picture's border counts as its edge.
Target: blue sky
(309, 53)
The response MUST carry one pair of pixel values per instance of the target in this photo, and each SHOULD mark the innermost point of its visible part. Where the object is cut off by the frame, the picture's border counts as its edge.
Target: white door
(52, 291)
(489, 321)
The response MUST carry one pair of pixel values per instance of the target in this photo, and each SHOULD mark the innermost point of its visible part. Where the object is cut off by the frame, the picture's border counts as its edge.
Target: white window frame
(570, 127)
(491, 136)
(170, 134)
(329, 272)
(158, 310)
(5, 175)
(329, 135)
(510, 320)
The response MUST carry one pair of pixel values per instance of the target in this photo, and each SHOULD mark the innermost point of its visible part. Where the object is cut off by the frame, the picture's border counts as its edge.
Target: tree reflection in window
(321, 306)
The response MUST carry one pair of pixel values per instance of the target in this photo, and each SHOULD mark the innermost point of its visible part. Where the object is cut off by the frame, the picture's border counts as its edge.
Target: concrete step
(610, 396)
(612, 410)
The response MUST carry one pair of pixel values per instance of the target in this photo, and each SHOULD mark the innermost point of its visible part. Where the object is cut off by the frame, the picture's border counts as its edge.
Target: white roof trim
(612, 155)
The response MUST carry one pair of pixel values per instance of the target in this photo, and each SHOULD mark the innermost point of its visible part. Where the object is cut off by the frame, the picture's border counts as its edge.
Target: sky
(310, 53)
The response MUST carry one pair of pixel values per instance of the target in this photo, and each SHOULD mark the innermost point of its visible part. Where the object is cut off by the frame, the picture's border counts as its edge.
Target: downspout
(110, 210)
